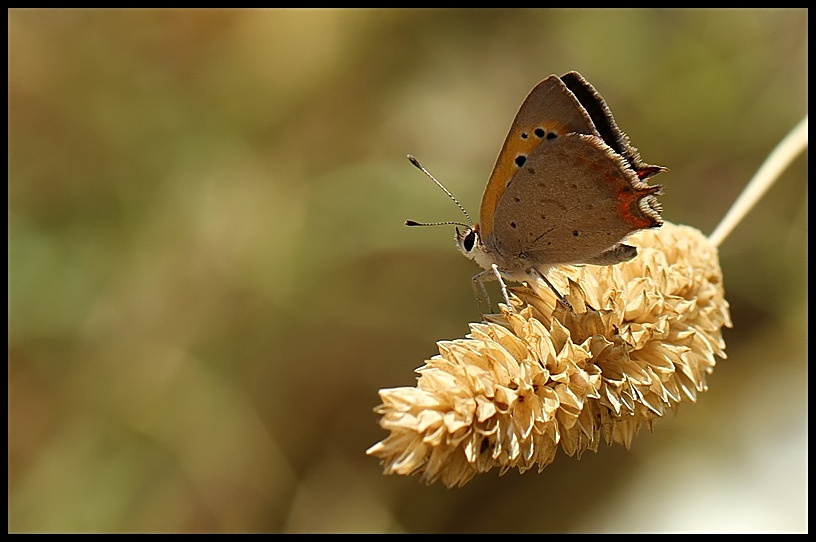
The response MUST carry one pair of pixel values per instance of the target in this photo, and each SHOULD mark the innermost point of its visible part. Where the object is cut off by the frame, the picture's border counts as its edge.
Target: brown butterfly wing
(572, 199)
(604, 122)
(550, 110)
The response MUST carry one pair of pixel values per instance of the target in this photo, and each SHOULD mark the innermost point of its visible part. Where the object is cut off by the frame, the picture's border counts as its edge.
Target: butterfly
(567, 188)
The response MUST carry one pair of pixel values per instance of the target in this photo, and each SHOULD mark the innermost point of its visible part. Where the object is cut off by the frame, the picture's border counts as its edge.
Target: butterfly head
(470, 243)
(467, 240)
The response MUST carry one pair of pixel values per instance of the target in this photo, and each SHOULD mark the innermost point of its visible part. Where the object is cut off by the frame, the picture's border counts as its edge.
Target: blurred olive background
(210, 279)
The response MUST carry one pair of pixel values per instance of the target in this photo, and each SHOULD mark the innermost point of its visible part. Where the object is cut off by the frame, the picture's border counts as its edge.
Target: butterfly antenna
(440, 185)
(446, 223)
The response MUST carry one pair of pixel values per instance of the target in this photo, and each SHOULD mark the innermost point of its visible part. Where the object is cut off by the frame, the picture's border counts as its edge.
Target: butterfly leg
(502, 285)
(480, 291)
(553, 288)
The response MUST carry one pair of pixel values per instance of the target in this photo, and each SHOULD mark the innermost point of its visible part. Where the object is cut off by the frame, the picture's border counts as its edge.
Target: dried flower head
(640, 338)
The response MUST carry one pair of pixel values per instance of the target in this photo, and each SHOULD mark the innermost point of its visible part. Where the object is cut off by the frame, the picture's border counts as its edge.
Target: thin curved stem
(780, 158)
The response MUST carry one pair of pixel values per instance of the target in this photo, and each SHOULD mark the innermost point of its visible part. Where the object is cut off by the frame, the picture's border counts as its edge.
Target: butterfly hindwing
(574, 198)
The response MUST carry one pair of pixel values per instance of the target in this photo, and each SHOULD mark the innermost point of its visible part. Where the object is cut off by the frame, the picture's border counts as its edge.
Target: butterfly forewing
(550, 110)
(604, 122)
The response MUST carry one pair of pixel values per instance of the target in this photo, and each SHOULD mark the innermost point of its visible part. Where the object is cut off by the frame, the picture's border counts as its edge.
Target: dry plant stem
(776, 162)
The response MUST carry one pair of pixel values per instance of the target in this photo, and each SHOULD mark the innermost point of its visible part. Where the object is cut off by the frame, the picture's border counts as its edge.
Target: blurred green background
(210, 279)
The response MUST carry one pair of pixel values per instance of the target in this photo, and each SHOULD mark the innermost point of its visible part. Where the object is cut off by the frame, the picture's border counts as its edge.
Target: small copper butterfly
(567, 188)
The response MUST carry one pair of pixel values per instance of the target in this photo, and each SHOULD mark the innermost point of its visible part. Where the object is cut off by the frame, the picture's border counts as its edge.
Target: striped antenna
(440, 185)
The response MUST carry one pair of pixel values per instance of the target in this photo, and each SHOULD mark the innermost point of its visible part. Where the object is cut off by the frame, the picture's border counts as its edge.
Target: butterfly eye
(469, 240)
